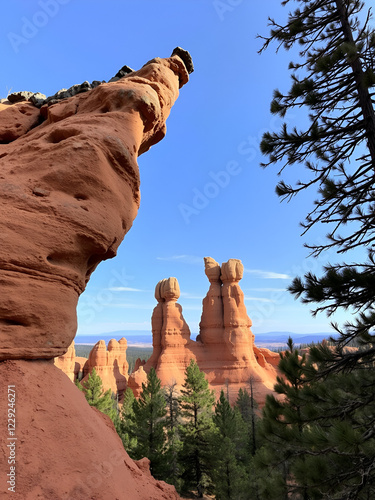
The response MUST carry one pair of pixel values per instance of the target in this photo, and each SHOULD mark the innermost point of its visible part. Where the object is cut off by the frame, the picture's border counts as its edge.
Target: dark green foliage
(334, 81)
(228, 452)
(281, 427)
(95, 396)
(318, 439)
(323, 427)
(248, 409)
(337, 456)
(196, 412)
(126, 425)
(149, 418)
(174, 443)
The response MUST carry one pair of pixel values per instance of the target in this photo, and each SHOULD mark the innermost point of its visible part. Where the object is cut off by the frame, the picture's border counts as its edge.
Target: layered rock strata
(67, 362)
(224, 349)
(110, 364)
(66, 450)
(59, 218)
(69, 192)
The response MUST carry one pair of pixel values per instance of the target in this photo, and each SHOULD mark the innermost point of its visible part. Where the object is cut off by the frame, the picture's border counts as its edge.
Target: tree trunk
(364, 96)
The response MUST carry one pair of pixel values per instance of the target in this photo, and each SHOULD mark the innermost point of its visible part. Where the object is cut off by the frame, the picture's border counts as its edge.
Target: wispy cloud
(185, 259)
(267, 289)
(259, 299)
(148, 307)
(268, 275)
(186, 295)
(124, 289)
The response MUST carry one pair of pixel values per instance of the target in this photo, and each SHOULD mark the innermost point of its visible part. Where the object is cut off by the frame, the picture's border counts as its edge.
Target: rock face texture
(224, 348)
(66, 450)
(67, 362)
(69, 192)
(111, 365)
(59, 218)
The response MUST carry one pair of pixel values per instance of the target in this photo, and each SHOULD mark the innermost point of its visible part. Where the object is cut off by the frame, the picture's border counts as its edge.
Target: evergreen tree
(196, 411)
(149, 425)
(126, 424)
(95, 396)
(334, 81)
(174, 444)
(281, 429)
(248, 407)
(228, 449)
(336, 456)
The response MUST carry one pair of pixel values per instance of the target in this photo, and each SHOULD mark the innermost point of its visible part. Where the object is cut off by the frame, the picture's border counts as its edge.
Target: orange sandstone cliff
(224, 349)
(69, 192)
(111, 365)
(67, 362)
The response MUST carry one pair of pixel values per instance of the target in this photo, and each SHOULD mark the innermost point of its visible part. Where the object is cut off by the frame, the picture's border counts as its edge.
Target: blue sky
(202, 190)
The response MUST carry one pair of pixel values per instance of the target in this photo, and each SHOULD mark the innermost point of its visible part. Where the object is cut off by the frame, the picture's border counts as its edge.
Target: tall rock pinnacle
(69, 192)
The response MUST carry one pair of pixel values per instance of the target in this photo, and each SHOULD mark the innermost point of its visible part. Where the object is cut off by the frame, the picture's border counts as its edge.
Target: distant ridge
(136, 337)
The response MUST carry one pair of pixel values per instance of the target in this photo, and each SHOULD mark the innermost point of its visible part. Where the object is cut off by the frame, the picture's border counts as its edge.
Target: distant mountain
(133, 337)
(145, 337)
(298, 338)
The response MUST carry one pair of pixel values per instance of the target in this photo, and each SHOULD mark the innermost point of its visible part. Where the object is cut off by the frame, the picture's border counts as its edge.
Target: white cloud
(267, 289)
(259, 299)
(185, 259)
(130, 306)
(186, 295)
(268, 275)
(124, 289)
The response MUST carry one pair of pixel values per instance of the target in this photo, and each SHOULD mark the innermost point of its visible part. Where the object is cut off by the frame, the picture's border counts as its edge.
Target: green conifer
(149, 425)
(196, 411)
(95, 396)
(126, 425)
(174, 443)
(228, 449)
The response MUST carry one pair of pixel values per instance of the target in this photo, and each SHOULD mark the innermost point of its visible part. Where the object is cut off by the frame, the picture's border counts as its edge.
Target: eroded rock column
(69, 192)
(211, 326)
(237, 334)
(175, 331)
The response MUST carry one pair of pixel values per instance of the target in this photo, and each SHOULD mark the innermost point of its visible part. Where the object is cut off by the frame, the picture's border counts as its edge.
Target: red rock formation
(224, 348)
(212, 322)
(138, 363)
(111, 365)
(136, 380)
(69, 192)
(71, 364)
(67, 362)
(80, 363)
(65, 449)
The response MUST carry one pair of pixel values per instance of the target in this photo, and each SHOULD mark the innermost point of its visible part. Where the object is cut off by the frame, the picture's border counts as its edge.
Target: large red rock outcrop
(224, 349)
(65, 449)
(69, 192)
(111, 365)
